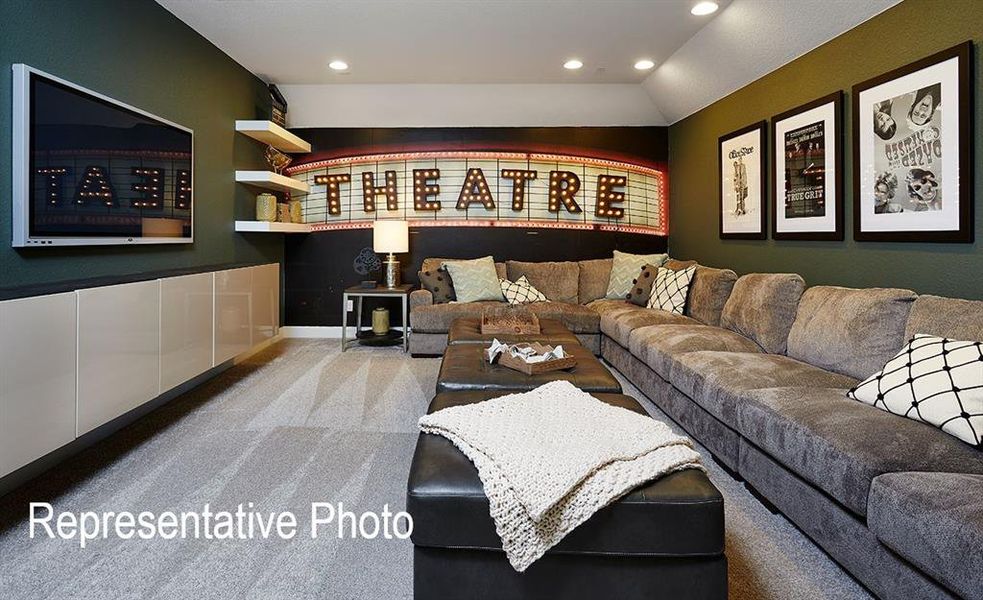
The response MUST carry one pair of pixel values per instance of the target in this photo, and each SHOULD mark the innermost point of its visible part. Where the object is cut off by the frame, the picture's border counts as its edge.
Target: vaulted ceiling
(698, 59)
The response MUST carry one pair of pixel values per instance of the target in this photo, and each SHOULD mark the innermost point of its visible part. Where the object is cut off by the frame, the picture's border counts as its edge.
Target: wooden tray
(512, 323)
(517, 364)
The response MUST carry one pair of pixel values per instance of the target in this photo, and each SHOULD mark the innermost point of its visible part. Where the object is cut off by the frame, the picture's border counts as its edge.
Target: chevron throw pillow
(670, 289)
(934, 380)
(625, 267)
(520, 291)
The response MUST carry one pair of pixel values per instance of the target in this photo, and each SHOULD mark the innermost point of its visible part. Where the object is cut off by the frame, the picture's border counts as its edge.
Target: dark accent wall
(907, 32)
(137, 52)
(319, 266)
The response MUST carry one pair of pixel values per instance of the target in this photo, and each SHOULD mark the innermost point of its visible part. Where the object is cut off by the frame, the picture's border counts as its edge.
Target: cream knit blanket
(552, 457)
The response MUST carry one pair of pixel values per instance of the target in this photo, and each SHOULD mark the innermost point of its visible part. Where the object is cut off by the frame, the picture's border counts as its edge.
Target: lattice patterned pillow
(935, 380)
(520, 291)
(670, 289)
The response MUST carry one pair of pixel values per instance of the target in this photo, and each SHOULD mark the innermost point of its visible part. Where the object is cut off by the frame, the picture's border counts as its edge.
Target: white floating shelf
(272, 181)
(270, 133)
(271, 227)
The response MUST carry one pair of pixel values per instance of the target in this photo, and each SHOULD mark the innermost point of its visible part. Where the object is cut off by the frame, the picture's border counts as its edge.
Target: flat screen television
(90, 170)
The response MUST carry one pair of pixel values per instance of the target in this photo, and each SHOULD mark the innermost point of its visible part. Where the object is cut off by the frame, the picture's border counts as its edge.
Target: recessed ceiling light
(704, 8)
(338, 65)
(573, 64)
(644, 64)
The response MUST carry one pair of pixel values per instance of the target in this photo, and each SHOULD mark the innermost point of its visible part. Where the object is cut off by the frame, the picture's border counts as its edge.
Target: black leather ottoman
(662, 540)
(465, 368)
(552, 332)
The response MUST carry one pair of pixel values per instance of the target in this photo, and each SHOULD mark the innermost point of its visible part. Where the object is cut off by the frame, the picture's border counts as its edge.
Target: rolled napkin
(551, 457)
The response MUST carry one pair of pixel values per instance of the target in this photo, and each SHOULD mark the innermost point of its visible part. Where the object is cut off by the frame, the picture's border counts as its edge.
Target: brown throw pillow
(439, 284)
(641, 286)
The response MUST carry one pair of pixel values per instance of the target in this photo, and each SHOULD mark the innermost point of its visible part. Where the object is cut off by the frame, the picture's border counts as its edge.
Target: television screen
(92, 170)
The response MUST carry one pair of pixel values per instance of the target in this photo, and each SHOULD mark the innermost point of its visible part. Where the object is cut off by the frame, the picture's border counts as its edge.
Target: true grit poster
(805, 171)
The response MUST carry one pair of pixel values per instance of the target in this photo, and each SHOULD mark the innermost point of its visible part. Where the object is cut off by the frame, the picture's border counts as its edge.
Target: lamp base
(391, 267)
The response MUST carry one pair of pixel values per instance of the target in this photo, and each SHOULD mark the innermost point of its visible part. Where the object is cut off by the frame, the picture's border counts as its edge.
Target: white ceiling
(443, 41)
(525, 42)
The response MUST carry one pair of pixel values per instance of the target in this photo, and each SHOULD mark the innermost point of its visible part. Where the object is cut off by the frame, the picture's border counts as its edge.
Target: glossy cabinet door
(233, 313)
(266, 302)
(37, 377)
(118, 350)
(186, 313)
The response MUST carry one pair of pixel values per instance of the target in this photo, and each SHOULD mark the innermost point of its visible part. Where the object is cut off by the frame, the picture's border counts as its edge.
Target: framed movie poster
(807, 200)
(741, 165)
(911, 149)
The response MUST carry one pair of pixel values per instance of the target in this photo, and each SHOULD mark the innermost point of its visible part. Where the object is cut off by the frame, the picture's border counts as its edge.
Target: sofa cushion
(670, 290)
(641, 285)
(437, 318)
(557, 280)
(679, 265)
(618, 325)
(934, 380)
(850, 331)
(934, 520)
(475, 280)
(625, 267)
(658, 345)
(433, 264)
(439, 284)
(708, 293)
(604, 306)
(950, 318)
(762, 307)
(594, 276)
(715, 380)
(577, 317)
(840, 445)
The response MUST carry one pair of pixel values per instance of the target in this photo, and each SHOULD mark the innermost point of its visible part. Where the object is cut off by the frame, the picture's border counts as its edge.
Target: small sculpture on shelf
(277, 160)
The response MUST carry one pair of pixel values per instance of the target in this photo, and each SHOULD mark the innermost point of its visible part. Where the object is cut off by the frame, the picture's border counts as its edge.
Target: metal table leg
(344, 320)
(406, 330)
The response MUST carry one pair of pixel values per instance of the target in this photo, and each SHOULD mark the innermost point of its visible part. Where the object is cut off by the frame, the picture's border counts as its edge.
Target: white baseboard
(302, 331)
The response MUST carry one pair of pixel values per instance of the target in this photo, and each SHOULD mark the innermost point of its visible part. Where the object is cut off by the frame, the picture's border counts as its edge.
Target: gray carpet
(300, 423)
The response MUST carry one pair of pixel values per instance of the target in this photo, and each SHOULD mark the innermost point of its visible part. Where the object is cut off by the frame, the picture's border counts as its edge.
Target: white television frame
(21, 160)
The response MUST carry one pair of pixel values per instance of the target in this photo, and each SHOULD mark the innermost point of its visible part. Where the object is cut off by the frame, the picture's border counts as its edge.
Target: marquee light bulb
(644, 64)
(340, 65)
(573, 64)
(701, 9)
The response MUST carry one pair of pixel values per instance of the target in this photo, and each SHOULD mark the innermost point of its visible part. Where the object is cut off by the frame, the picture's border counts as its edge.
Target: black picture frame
(964, 234)
(762, 128)
(836, 99)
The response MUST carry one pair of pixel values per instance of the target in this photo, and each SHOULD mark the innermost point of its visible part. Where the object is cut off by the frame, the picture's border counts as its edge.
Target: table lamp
(391, 237)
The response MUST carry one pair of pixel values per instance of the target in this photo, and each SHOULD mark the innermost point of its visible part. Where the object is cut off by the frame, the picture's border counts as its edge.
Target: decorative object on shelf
(266, 207)
(509, 321)
(296, 211)
(391, 237)
(380, 321)
(277, 160)
(278, 106)
(741, 170)
(368, 284)
(807, 174)
(912, 177)
(283, 212)
(367, 261)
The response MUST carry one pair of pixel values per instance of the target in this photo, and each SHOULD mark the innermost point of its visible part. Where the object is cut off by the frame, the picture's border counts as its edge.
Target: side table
(359, 293)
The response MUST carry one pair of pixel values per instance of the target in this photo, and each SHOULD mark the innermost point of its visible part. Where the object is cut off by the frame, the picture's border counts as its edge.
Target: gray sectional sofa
(757, 370)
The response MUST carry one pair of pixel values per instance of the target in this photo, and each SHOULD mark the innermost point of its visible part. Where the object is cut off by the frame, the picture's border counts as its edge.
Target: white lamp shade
(391, 236)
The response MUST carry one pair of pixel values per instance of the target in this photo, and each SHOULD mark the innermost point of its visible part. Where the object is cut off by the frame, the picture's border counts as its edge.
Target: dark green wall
(137, 52)
(905, 33)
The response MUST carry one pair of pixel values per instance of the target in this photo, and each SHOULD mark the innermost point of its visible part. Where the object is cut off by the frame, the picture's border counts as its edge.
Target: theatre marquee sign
(489, 189)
